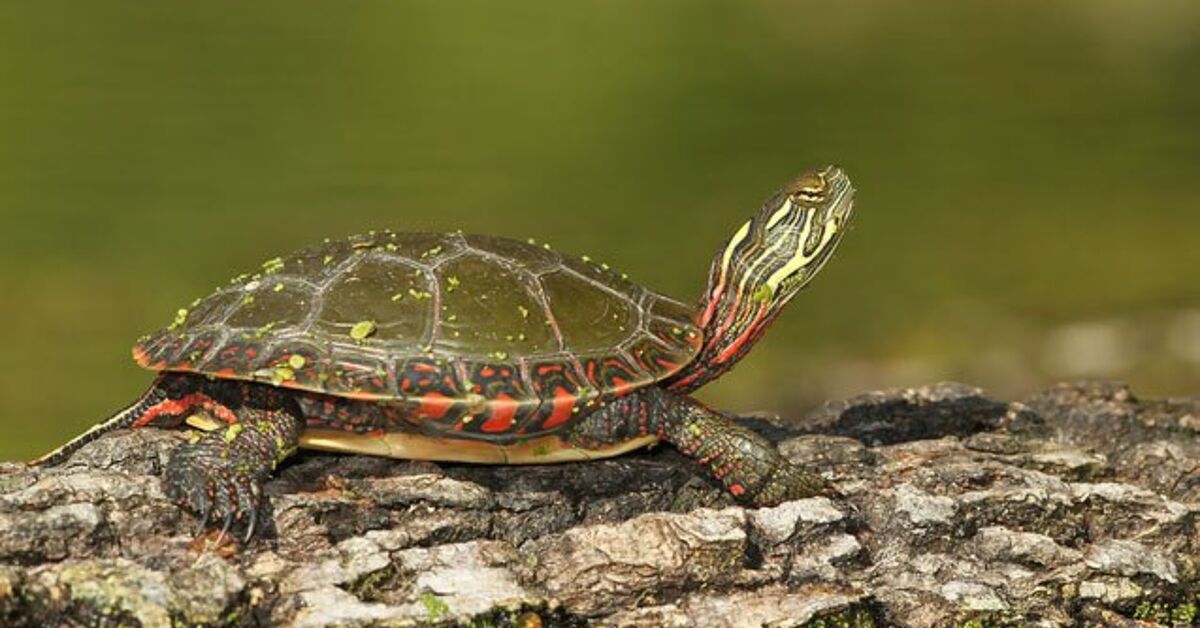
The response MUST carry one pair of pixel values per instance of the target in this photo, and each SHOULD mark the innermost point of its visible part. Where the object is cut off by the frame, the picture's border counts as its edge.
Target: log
(1078, 505)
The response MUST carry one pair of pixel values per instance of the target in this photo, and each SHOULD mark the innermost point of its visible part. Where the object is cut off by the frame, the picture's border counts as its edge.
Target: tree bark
(1078, 505)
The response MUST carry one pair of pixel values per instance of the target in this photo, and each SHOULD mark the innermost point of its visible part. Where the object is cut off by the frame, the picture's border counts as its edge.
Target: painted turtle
(469, 348)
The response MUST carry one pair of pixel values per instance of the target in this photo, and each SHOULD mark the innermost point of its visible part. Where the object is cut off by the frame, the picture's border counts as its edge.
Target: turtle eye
(811, 197)
(809, 188)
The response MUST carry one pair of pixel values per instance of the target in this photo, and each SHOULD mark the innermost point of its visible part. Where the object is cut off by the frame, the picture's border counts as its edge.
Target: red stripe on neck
(746, 335)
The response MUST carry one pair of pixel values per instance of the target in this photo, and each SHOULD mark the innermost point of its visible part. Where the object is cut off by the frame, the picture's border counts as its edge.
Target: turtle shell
(473, 333)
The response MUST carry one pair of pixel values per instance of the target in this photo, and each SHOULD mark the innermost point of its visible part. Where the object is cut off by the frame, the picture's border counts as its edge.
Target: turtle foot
(220, 476)
(220, 493)
(787, 482)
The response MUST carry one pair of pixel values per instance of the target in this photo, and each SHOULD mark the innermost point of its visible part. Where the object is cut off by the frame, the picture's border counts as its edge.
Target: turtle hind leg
(220, 475)
(746, 464)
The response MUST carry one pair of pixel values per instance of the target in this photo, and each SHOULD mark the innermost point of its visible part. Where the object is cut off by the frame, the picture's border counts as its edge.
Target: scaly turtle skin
(468, 348)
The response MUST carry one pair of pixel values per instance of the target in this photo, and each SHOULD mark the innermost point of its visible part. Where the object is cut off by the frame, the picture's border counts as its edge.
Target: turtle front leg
(220, 475)
(745, 463)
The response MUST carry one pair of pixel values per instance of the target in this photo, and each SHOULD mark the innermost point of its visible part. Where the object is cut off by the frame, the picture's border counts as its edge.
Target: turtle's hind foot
(786, 482)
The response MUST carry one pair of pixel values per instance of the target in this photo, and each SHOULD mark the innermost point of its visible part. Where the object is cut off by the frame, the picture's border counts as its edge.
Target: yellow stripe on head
(754, 272)
(800, 260)
(780, 213)
(736, 240)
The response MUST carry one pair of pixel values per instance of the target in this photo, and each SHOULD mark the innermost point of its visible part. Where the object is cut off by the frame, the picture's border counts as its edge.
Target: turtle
(473, 349)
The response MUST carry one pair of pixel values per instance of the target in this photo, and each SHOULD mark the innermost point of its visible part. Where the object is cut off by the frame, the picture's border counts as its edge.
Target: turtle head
(766, 262)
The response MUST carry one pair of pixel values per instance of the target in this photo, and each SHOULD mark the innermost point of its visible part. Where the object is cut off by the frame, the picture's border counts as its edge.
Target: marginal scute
(654, 356)
(298, 362)
(354, 372)
(163, 349)
(196, 350)
(472, 335)
(241, 356)
(670, 333)
(423, 375)
(613, 372)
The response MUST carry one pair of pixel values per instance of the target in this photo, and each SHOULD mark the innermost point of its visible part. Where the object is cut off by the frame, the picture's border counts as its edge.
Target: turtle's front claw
(217, 488)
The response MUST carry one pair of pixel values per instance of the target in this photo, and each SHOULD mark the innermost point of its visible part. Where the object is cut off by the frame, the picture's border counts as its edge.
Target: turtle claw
(203, 519)
(215, 489)
(225, 528)
(220, 475)
(250, 526)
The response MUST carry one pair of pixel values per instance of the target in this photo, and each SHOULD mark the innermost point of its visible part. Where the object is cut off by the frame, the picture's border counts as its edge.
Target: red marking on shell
(160, 365)
(666, 364)
(435, 405)
(405, 384)
(504, 410)
(225, 372)
(422, 367)
(251, 352)
(487, 371)
(737, 489)
(546, 369)
(563, 404)
(620, 385)
(140, 356)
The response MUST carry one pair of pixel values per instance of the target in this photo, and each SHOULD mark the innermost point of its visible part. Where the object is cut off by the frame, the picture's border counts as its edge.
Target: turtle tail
(124, 418)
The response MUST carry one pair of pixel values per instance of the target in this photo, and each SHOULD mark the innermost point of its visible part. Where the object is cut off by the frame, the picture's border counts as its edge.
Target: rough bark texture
(1079, 505)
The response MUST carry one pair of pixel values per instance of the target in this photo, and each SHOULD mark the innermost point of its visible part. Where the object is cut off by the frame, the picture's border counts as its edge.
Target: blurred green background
(1028, 172)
